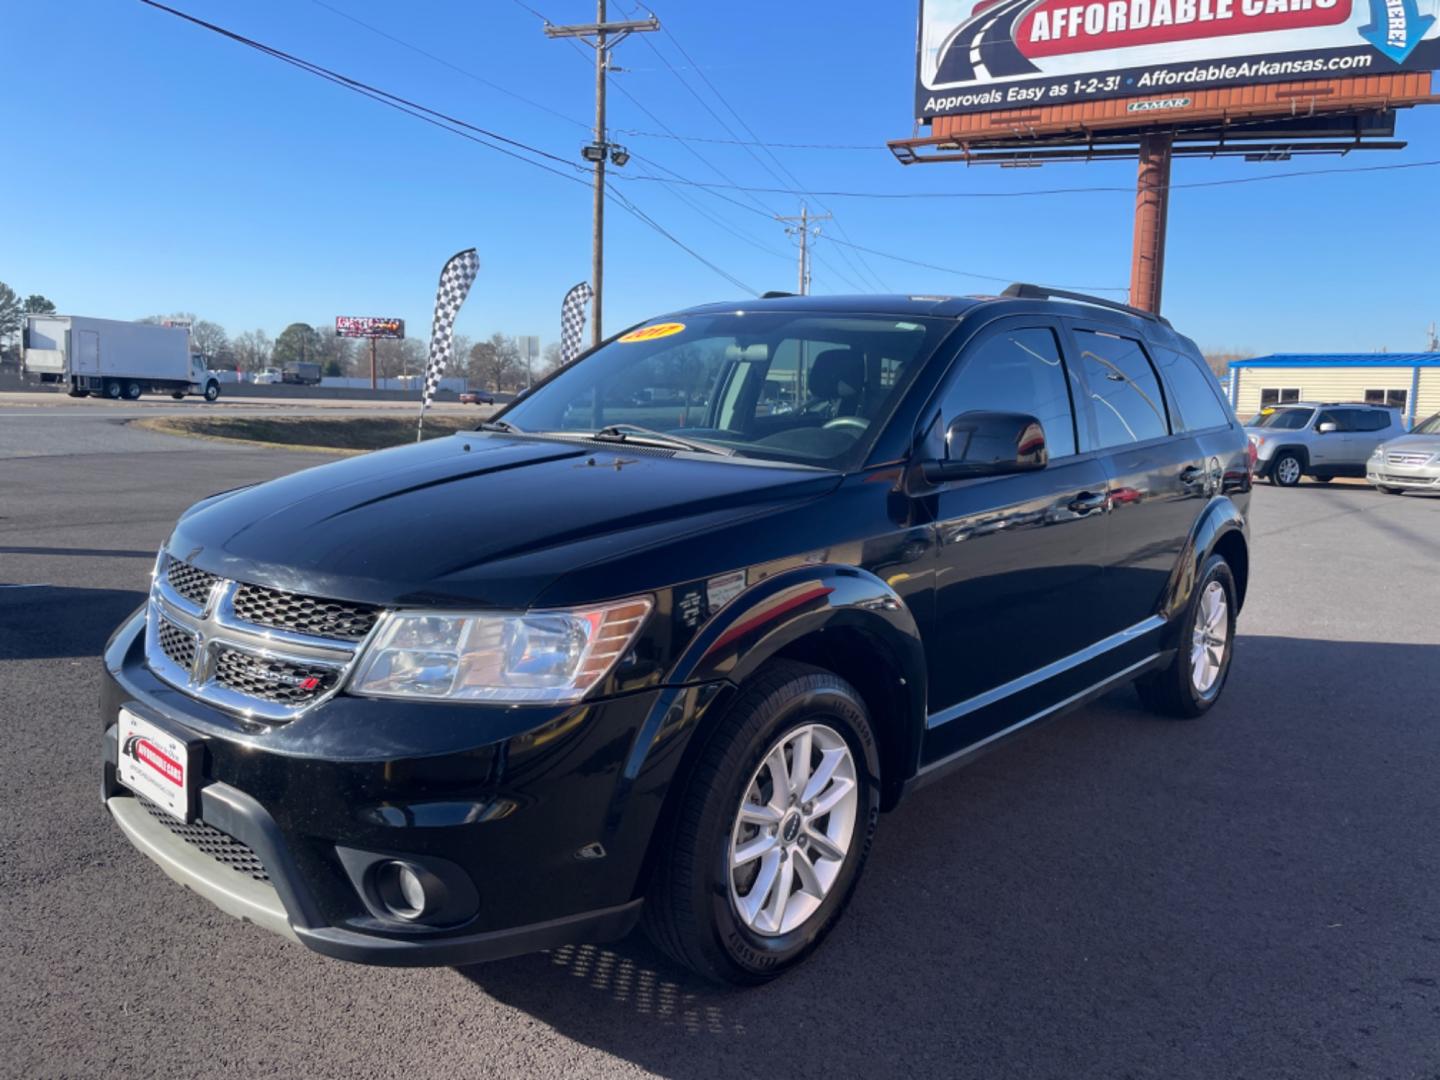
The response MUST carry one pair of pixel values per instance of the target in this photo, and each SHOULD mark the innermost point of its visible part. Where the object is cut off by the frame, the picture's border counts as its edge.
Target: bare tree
(552, 359)
(495, 362)
(394, 358)
(208, 338)
(252, 350)
(334, 354)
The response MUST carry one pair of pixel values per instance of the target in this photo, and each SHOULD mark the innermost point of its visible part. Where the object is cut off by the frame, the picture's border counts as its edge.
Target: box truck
(113, 358)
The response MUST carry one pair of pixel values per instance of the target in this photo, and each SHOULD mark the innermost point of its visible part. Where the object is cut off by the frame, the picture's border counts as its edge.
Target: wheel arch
(1299, 450)
(1220, 529)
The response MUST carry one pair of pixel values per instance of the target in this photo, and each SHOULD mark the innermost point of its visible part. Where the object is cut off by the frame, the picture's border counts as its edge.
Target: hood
(473, 519)
(1414, 444)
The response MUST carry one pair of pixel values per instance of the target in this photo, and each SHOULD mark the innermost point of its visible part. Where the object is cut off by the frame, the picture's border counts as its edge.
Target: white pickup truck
(114, 359)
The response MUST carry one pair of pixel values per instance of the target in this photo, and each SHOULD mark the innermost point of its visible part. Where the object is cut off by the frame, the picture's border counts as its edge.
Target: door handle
(1191, 474)
(1087, 501)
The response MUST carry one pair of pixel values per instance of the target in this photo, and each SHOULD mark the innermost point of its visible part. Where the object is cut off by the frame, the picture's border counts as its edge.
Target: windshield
(1427, 427)
(1283, 419)
(814, 389)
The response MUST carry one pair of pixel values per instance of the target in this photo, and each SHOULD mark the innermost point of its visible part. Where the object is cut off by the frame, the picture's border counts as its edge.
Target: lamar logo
(147, 753)
(1155, 106)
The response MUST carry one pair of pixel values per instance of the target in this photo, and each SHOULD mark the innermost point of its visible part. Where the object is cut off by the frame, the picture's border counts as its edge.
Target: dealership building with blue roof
(1409, 382)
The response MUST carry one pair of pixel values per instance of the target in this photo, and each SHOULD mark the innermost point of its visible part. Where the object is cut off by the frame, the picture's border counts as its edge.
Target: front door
(1332, 448)
(1020, 558)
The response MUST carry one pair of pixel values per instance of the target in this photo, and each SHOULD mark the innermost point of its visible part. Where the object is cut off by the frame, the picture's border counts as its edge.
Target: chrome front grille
(254, 650)
(1407, 458)
(273, 680)
(189, 581)
(177, 644)
(304, 614)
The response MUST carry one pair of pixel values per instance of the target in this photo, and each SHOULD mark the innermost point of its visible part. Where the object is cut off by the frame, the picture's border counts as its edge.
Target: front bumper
(540, 818)
(1414, 477)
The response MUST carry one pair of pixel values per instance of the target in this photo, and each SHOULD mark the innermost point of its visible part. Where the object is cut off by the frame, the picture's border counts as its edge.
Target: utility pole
(805, 232)
(1433, 344)
(602, 36)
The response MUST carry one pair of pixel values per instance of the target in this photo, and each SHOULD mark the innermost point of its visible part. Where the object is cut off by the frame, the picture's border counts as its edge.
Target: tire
(1324, 477)
(178, 395)
(112, 390)
(78, 393)
(1286, 470)
(694, 908)
(1179, 690)
(133, 391)
(212, 390)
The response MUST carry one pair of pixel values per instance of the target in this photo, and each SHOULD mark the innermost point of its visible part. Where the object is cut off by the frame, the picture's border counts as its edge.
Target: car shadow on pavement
(49, 621)
(1115, 894)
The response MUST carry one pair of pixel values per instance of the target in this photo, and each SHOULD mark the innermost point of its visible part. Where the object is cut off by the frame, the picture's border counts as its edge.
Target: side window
(1333, 416)
(1021, 371)
(1129, 406)
(1370, 419)
(1195, 393)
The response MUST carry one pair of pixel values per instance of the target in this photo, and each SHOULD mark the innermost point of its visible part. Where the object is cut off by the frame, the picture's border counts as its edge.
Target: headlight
(1378, 452)
(541, 656)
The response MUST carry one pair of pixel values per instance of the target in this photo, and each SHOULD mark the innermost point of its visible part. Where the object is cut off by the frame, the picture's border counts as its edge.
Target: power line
(971, 273)
(444, 123)
(876, 148)
(903, 195)
(453, 67)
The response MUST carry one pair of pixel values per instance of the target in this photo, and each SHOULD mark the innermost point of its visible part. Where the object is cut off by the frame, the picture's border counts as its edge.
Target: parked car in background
(1319, 439)
(301, 373)
(1409, 462)
(477, 397)
(270, 376)
(528, 685)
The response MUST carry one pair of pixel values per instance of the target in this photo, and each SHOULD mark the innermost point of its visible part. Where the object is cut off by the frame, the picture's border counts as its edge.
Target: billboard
(1009, 54)
(368, 326)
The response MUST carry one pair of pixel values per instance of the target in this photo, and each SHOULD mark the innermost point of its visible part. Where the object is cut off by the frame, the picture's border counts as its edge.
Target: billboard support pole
(372, 363)
(1152, 206)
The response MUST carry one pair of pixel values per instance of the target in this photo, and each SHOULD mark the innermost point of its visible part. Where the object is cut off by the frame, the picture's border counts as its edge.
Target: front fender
(768, 617)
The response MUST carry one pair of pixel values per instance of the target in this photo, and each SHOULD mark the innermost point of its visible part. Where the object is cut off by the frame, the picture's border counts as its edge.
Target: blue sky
(161, 168)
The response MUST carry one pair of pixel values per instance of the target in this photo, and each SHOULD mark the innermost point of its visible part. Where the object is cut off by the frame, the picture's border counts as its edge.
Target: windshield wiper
(627, 432)
(497, 425)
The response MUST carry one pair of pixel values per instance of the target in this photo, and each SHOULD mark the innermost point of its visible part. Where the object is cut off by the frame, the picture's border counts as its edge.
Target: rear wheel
(772, 831)
(1192, 682)
(1286, 470)
(132, 391)
(178, 395)
(112, 390)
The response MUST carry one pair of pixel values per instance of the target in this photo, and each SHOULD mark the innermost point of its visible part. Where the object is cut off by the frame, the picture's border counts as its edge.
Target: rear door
(85, 358)
(1158, 480)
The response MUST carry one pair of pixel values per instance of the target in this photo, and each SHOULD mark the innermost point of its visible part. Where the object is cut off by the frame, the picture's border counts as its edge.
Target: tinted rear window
(1195, 392)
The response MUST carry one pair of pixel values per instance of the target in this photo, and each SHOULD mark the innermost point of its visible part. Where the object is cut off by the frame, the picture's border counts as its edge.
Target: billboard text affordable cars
(368, 326)
(1007, 54)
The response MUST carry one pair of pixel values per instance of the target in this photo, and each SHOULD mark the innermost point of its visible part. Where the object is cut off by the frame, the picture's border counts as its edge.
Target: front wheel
(212, 391)
(1192, 682)
(1286, 471)
(772, 830)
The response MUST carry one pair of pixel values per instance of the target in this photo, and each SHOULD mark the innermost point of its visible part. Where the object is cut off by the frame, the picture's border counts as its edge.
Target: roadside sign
(368, 326)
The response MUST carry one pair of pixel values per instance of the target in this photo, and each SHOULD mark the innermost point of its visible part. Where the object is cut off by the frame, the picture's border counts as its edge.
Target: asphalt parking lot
(1255, 894)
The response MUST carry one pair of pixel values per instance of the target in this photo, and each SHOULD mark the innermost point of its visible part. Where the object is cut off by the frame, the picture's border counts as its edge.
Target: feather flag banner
(455, 281)
(572, 320)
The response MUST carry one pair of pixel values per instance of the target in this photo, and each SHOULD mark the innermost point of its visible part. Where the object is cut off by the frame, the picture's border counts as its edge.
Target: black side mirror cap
(989, 444)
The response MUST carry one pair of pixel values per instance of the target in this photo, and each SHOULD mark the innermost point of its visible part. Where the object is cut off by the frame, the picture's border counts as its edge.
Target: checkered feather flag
(572, 320)
(455, 281)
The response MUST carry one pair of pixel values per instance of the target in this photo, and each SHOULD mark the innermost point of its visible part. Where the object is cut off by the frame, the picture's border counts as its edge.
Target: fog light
(402, 889)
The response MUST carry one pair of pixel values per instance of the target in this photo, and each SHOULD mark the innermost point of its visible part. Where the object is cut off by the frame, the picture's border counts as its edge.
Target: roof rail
(1026, 291)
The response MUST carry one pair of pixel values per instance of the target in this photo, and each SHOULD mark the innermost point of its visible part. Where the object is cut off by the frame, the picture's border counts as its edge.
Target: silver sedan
(1409, 463)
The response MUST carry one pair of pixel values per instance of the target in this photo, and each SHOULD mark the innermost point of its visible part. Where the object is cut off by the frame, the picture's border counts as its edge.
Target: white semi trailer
(113, 358)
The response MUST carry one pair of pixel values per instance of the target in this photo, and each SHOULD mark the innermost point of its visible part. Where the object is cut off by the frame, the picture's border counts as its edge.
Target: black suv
(661, 641)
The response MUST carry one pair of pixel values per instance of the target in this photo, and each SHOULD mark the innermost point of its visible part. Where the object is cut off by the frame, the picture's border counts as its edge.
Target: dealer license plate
(155, 764)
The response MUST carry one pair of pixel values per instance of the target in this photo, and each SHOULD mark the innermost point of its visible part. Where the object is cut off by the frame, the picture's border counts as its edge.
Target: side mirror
(989, 444)
(1327, 427)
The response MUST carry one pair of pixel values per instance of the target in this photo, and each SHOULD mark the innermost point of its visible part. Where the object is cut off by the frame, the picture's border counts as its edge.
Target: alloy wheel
(1209, 638)
(794, 829)
(1288, 471)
